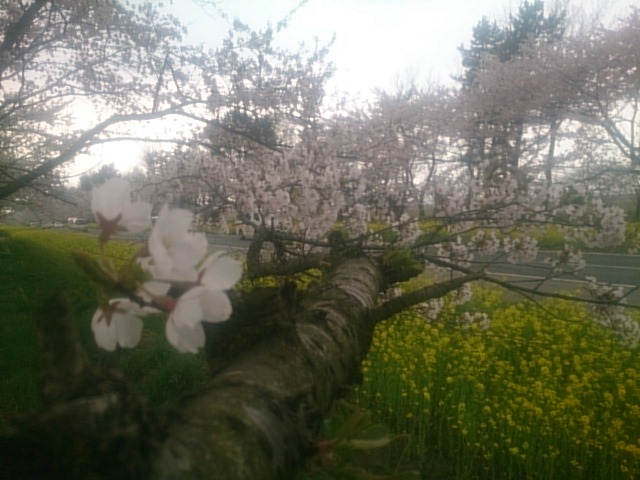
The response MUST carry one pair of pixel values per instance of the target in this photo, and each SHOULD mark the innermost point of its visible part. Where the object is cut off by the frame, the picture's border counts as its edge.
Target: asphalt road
(615, 269)
(233, 241)
(611, 268)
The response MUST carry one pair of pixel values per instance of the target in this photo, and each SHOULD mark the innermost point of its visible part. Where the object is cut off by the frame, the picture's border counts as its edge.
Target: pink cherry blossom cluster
(356, 221)
(484, 242)
(174, 259)
(521, 249)
(611, 223)
(612, 315)
(432, 308)
(569, 258)
(455, 252)
(408, 230)
(602, 225)
(469, 319)
(461, 295)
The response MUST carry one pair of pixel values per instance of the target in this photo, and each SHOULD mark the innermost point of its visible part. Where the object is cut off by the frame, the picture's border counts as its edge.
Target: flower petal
(104, 332)
(123, 328)
(152, 289)
(221, 273)
(137, 217)
(188, 310)
(216, 306)
(185, 339)
(176, 252)
(175, 220)
(111, 198)
(128, 330)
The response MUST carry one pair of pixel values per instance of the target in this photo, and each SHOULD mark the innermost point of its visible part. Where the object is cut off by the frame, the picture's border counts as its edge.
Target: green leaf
(352, 424)
(98, 272)
(400, 266)
(131, 275)
(368, 444)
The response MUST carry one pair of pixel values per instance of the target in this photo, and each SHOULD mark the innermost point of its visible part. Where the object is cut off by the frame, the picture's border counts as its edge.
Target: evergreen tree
(497, 130)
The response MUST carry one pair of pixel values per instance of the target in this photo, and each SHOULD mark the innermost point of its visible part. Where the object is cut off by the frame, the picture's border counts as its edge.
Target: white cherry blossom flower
(461, 295)
(185, 339)
(175, 252)
(569, 258)
(455, 252)
(408, 231)
(432, 308)
(485, 242)
(206, 302)
(356, 222)
(612, 316)
(112, 207)
(520, 250)
(468, 319)
(120, 325)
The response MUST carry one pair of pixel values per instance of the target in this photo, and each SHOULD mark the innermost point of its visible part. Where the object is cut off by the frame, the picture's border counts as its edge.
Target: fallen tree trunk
(257, 418)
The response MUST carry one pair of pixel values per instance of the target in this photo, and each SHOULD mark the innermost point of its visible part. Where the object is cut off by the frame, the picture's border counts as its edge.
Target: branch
(94, 425)
(17, 30)
(437, 290)
(83, 141)
(531, 292)
(256, 268)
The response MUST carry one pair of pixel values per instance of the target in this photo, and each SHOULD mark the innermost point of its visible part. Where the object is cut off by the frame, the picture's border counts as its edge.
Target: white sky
(378, 42)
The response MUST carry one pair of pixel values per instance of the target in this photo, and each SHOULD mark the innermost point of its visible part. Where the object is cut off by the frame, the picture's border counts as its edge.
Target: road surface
(614, 269)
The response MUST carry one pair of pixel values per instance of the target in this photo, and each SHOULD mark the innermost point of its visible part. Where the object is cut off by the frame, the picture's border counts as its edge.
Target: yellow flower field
(542, 393)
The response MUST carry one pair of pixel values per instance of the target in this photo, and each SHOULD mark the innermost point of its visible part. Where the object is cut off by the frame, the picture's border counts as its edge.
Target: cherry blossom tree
(396, 145)
(111, 64)
(279, 356)
(585, 86)
(607, 83)
(264, 147)
(496, 127)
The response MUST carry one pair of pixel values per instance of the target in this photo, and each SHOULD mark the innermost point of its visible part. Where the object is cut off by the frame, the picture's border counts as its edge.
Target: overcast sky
(377, 41)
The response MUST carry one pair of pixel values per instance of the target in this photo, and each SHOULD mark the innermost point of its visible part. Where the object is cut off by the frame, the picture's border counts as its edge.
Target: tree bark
(257, 418)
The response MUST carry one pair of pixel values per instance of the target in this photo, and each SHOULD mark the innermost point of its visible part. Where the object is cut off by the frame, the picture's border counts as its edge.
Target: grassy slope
(28, 273)
(33, 265)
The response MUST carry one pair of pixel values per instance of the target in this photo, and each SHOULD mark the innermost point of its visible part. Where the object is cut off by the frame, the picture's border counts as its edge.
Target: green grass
(36, 263)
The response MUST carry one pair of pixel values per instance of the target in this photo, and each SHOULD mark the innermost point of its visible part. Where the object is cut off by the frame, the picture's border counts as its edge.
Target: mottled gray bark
(259, 416)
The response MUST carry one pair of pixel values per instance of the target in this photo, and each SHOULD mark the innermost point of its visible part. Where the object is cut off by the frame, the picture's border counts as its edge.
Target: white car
(78, 224)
